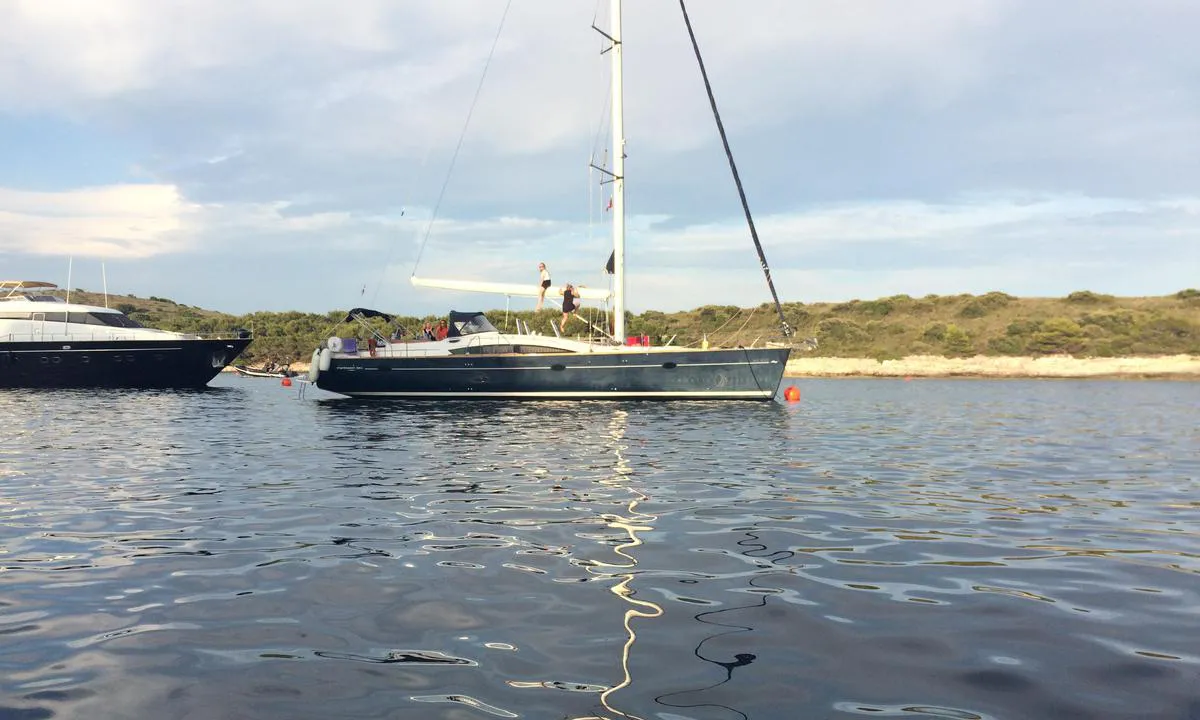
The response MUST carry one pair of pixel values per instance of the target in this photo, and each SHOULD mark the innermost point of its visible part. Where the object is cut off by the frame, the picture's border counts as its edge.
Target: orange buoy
(792, 394)
(286, 382)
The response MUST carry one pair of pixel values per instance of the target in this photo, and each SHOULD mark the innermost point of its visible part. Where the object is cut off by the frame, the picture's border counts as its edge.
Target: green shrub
(957, 342)
(934, 333)
(875, 308)
(977, 307)
(870, 308)
(1021, 328)
(997, 299)
(842, 330)
(1087, 297)
(1057, 335)
(973, 309)
(1169, 334)
(1117, 321)
(1008, 345)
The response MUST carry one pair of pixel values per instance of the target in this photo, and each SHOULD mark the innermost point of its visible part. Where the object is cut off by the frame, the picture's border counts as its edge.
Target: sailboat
(477, 361)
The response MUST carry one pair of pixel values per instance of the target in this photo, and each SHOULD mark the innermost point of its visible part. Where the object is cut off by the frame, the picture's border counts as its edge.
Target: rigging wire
(728, 320)
(601, 140)
(712, 100)
(462, 136)
(738, 333)
(409, 193)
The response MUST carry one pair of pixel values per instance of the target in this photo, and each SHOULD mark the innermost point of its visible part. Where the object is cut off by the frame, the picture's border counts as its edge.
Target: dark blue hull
(171, 363)
(741, 374)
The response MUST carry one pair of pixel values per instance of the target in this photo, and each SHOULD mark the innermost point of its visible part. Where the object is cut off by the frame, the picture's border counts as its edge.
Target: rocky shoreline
(1173, 367)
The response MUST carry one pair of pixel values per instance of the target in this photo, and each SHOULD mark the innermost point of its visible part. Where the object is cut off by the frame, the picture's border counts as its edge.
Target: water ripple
(968, 550)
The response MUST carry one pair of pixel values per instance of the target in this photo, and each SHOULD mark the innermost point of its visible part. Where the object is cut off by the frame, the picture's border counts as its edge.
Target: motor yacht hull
(167, 363)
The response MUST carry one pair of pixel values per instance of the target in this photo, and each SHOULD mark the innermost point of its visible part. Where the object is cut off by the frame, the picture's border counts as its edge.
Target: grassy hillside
(1082, 324)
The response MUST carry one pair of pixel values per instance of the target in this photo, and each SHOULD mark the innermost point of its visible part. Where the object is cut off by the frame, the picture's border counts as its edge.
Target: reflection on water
(925, 549)
(629, 524)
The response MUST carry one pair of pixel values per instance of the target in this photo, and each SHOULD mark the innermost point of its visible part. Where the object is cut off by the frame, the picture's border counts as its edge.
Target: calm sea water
(926, 549)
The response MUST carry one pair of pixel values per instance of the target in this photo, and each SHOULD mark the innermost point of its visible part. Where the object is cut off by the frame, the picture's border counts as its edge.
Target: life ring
(334, 344)
(314, 367)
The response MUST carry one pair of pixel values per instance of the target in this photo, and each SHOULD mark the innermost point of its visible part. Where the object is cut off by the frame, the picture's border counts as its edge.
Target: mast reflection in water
(623, 572)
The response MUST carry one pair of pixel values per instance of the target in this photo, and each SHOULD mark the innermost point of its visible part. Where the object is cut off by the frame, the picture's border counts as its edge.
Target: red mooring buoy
(791, 394)
(286, 382)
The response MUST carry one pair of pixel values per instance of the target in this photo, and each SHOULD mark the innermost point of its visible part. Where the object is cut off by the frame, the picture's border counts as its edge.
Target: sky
(263, 155)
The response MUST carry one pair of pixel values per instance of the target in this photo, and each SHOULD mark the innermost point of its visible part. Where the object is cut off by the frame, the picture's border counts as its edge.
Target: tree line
(1083, 323)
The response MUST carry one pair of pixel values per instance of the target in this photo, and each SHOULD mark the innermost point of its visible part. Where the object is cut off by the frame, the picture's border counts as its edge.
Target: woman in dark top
(570, 305)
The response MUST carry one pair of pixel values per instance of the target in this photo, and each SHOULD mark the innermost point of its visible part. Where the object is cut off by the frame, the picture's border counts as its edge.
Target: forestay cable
(712, 100)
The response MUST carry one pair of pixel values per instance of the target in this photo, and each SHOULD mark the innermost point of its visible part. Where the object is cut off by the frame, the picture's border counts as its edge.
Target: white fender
(326, 356)
(314, 367)
(334, 344)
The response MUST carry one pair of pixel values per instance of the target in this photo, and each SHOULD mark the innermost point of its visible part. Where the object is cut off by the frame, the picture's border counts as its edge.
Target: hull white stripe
(343, 367)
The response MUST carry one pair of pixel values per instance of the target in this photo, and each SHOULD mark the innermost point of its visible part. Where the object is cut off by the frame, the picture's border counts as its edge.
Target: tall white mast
(618, 197)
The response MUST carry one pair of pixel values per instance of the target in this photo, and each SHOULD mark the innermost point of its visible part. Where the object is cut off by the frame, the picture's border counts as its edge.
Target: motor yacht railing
(144, 334)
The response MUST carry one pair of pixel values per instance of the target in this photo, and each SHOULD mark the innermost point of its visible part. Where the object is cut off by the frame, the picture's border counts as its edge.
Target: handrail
(106, 337)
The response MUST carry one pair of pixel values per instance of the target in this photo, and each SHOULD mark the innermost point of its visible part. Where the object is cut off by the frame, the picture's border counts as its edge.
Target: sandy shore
(1180, 367)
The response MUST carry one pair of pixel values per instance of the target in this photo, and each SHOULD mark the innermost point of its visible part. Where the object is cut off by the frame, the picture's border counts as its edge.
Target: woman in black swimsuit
(545, 277)
(570, 305)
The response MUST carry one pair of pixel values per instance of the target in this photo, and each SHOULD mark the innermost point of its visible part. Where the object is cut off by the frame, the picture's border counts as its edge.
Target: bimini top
(356, 313)
(19, 290)
(8, 287)
(469, 323)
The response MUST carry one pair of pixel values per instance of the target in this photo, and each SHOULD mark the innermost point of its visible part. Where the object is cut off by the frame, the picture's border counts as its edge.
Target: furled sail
(510, 289)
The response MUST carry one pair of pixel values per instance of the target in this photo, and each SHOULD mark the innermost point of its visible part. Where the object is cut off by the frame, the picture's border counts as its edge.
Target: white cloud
(392, 74)
(1043, 245)
(884, 144)
(122, 221)
(1020, 244)
(950, 224)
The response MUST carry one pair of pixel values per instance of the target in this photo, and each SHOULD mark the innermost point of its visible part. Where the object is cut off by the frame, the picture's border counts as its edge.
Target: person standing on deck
(570, 305)
(545, 280)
